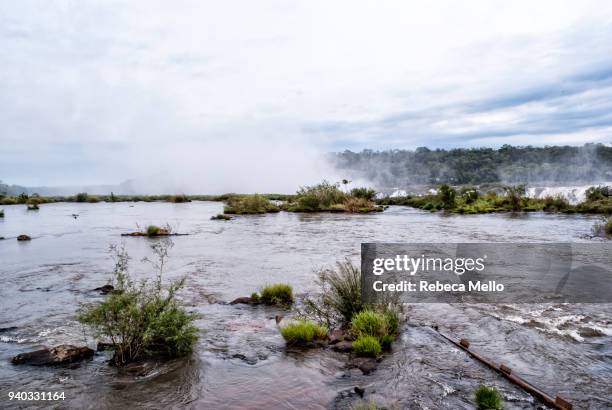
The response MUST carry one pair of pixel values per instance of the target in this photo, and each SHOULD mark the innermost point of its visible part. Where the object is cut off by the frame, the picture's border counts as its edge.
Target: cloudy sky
(219, 91)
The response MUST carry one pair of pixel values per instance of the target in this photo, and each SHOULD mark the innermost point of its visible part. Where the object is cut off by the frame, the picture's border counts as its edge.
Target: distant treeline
(508, 164)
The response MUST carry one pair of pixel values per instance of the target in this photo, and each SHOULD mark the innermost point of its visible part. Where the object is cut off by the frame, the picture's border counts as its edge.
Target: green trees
(479, 165)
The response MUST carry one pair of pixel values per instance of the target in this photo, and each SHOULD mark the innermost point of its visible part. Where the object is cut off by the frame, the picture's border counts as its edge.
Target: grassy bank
(468, 200)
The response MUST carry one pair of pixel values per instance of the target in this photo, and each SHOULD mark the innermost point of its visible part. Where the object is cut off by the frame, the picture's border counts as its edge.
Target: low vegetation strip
(468, 200)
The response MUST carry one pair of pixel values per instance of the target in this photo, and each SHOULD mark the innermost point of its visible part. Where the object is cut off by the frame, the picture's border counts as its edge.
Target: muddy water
(240, 360)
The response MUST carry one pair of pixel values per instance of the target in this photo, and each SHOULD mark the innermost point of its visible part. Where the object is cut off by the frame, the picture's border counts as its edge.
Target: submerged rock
(24, 238)
(366, 364)
(338, 335)
(221, 217)
(105, 289)
(244, 300)
(61, 354)
(344, 346)
(7, 329)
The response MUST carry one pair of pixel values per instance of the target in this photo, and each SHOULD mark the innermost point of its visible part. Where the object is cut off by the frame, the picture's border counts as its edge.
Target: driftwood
(557, 402)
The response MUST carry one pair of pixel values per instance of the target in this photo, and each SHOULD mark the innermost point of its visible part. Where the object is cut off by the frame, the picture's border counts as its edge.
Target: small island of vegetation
(470, 200)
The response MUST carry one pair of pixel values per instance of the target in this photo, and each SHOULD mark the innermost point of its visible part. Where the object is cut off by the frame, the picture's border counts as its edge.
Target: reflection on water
(240, 361)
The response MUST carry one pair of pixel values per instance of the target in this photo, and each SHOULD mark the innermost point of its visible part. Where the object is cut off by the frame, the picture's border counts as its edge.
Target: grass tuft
(302, 332)
(488, 398)
(367, 346)
(279, 294)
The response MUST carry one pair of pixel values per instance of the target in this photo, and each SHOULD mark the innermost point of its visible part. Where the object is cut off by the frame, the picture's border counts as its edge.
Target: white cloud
(92, 91)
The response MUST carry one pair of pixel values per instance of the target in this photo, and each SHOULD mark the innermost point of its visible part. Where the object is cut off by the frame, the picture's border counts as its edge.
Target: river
(241, 360)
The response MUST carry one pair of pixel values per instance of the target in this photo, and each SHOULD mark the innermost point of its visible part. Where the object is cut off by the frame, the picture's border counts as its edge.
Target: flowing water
(241, 360)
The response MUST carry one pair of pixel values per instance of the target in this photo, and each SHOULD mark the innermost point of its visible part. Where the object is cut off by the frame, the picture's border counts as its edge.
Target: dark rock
(360, 391)
(366, 364)
(7, 329)
(247, 359)
(278, 318)
(105, 289)
(245, 300)
(105, 346)
(589, 332)
(24, 238)
(221, 217)
(61, 354)
(345, 346)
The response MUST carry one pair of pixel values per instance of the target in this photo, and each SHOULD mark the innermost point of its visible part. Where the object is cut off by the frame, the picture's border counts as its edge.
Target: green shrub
(447, 196)
(608, 227)
(515, 196)
(255, 297)
(179, 199)
(279, 294)
(141, 319)
(366, 406)
(365, 193)
(488, 398)
(320, 196)
(153, 230)
(392, 318)
(339, 298)
(469, 195)
(303, 331)
(555, 203)
(93, 199)
(386, 341)
(354, 205)
(369, 323)
(249, 204)
(81, 197)
(367, 346)
(597, 193)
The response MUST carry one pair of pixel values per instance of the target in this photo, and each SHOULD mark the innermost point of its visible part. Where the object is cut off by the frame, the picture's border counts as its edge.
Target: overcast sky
(98, 92)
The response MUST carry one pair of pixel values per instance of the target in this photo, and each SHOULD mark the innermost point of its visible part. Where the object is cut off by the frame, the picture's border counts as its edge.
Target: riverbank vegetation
(141, 319)
(249, 204)
(469, 200)
(303, 332)
(328, 197)
(152, 231)
(366, 329)
(279, 295)
(603, 228)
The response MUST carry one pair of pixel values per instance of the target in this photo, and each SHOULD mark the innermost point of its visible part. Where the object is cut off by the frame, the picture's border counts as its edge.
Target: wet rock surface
(243, 300)
(24, 238)
(366, 364)
(344, 346)
(106, 289)
(57, 355)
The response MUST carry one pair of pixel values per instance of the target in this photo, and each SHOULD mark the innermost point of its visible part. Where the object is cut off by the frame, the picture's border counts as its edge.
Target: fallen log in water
(557, 402)
(153, 235)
